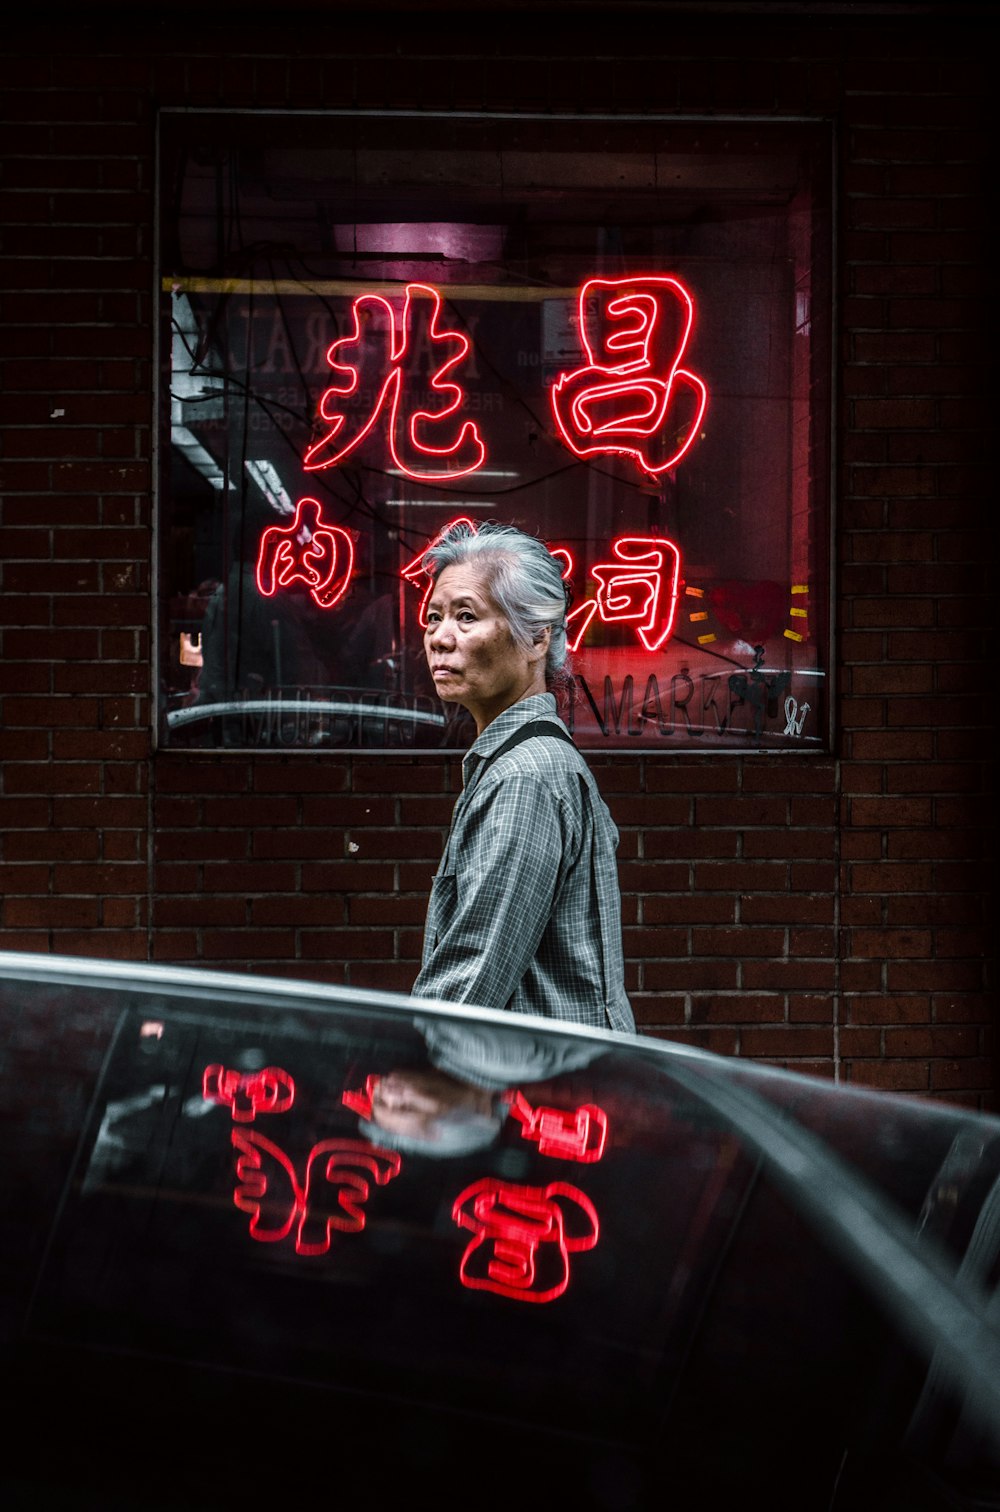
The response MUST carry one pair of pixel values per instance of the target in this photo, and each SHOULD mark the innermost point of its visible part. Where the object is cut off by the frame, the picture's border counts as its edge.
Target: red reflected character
(520, 1247)
(632, 397)
(308, 551)
(269, 1190)
(424, 443)
(564, 1133)
(247, 1093)
(642, 585)
(349, 1167)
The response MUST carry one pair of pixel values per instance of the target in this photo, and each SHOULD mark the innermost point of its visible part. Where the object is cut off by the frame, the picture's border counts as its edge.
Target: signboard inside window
(613, 335)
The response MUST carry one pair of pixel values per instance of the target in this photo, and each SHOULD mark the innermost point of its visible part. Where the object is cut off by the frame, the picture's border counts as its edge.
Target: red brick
(736, 1008)
(888, 1076)
(688, 976)
(686, 908)
(298, 912)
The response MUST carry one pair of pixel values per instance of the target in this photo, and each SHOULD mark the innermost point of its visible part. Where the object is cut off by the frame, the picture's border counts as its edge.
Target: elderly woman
(525, 912)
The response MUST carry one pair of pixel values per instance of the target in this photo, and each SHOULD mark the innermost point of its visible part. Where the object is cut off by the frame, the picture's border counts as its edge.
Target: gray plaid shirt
(525, 911)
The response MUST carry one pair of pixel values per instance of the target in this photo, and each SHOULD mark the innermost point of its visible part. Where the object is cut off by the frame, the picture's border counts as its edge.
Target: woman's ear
(541, 642)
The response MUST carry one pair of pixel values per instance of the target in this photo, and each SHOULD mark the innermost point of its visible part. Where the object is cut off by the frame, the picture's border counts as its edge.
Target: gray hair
(449, 1134)
(522, 577)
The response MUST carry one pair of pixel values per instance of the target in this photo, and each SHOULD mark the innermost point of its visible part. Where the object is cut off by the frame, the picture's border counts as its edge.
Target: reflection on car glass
(522, 1235)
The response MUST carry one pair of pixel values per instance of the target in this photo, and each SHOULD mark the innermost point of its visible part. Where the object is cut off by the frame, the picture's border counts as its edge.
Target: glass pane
(615, 337)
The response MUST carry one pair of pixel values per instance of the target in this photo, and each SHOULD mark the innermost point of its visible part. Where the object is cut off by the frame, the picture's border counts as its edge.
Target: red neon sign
(414, 569)
(308, 551)
(520, 1247)
(626, 398)
(642, 585)
(424, 443)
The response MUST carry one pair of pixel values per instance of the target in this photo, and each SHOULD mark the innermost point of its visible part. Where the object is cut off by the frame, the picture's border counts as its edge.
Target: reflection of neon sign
(423, 443)
(564, 1133)
(641, 585)
(521, 1245)
(268, 1187)
(360, 1102)
(522, 1236)
(625, 399)
(270, 1191)
(307, 551)
(247, 1093)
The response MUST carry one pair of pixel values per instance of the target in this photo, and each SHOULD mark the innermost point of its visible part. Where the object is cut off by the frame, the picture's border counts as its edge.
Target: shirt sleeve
(490, 911)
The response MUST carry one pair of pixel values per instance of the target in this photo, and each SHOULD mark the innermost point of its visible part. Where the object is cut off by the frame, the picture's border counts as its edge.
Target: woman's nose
(440, 631)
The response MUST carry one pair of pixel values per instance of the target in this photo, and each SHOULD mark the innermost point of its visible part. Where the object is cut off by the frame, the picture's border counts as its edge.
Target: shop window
(615, 335)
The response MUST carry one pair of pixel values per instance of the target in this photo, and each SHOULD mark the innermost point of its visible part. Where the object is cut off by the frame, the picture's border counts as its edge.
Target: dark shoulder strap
(533, 728)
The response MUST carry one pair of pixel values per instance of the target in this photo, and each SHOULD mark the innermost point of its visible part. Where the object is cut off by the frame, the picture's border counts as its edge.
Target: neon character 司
(632, 396)
(432, 443)
(641, 586)
(523, 1237)
(307, 551)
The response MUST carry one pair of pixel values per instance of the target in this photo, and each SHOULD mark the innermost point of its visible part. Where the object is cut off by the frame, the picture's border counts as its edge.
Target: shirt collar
(538, 706)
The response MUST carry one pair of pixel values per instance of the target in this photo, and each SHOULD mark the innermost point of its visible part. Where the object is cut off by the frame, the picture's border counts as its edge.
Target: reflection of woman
(458, 1103)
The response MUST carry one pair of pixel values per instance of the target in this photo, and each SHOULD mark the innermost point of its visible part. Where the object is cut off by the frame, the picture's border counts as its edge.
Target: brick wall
(830, 914)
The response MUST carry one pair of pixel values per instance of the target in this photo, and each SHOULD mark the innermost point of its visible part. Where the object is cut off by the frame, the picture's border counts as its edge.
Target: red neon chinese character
(626, 399)
(247, 1093)
(520, 1248)
(414, 569)
(642, 585)
(307, 551)
(564, 1133)
(269, 1190)
(379, 353)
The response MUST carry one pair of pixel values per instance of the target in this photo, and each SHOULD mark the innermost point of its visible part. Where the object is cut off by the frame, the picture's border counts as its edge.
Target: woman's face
(411, 1102)
(473, 657)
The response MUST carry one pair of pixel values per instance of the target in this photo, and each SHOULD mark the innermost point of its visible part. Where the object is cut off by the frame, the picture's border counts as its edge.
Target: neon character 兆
(431, 443)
